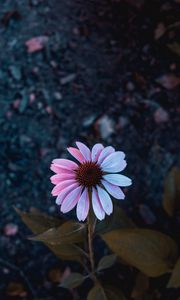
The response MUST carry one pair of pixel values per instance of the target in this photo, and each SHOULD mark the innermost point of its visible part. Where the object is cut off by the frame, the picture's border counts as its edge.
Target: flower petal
(105, 200)
(58, 170)
(96, 204)
(118, 179)
(105, 153)
(114, 162)
(71, 200)
(83, 206)
(55, 179)
(64, 193)
(65, 163)
(114, 190)
(96, 150)
(84, 150)
(62, 185)
(76, 153)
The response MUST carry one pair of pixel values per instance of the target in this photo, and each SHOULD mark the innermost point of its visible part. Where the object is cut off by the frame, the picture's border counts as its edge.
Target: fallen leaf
(16, 289)
(169, 81)
(36, 44)
(159, 31)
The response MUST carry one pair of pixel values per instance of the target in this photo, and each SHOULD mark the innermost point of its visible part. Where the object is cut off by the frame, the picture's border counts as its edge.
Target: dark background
(108, 73)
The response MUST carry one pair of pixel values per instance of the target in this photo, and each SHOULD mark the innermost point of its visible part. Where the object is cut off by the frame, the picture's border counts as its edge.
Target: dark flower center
(89, 174)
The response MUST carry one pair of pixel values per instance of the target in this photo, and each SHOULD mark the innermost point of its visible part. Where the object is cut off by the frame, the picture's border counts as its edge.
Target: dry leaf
(151, 252)
(16, 289)
(169, 81)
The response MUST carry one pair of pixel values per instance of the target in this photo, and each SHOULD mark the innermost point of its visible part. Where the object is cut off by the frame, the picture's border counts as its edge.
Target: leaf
(37, 221)
(174, 281)
(168, 81)
(106, 262)
(117, 220)
(72, 281)
(141, 286)
(106, 293)
(171, 198)
(175, 47)
(66, 251)
(69, 232)
(152, 252)
(16, 289)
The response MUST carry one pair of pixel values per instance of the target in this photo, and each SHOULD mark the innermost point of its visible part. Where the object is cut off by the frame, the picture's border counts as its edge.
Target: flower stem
(90, 246)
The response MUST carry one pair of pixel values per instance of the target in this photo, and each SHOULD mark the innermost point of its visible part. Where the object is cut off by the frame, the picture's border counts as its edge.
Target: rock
(10, 229)
(36, 44)
(67, 79)
(161, 116)
(105, 126)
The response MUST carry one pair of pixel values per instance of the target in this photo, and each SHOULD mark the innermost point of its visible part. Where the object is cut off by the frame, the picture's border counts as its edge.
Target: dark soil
(103, 76)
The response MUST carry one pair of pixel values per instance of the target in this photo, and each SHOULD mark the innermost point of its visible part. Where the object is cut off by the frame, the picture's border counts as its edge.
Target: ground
(98, 71)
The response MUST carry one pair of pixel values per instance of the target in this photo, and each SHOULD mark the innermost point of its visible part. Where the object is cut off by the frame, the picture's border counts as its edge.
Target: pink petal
(114, 162)
(55, 179)
(65, 163)
(96, 204)
(84, 150)
(76, 153)
(104, 153)
(71, 199)
(105, 200)
(83, 206)
(96, 150)
(64, 193)
(114, 190)
(59, 170)
(118, 179)
(62, 185)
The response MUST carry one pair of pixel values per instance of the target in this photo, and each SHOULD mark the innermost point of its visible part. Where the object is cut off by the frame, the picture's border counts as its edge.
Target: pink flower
(93, 179)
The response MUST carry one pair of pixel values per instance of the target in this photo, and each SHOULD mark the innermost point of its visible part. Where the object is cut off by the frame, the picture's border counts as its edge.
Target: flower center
(89, 174)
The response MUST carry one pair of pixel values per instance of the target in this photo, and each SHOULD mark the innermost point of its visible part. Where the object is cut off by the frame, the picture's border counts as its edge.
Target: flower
(93, 179)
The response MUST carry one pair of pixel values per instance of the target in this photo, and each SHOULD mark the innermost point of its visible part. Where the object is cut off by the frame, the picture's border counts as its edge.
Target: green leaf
(37, 221)
(66, 252)
(140, 287)
(117, 220)
(69, 232)
(73, 280)
(174, 281)
(152, 252)
(106, 262)
(105, 293)
(171, 199)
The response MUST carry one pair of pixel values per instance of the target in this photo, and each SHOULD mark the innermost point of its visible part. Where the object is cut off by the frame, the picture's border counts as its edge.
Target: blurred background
(94, 71)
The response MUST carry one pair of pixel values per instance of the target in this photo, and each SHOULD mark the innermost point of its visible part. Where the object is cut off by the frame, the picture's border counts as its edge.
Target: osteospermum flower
(93, 179)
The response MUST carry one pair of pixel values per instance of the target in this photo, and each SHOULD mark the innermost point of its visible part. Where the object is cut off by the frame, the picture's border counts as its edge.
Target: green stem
(90, 246)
